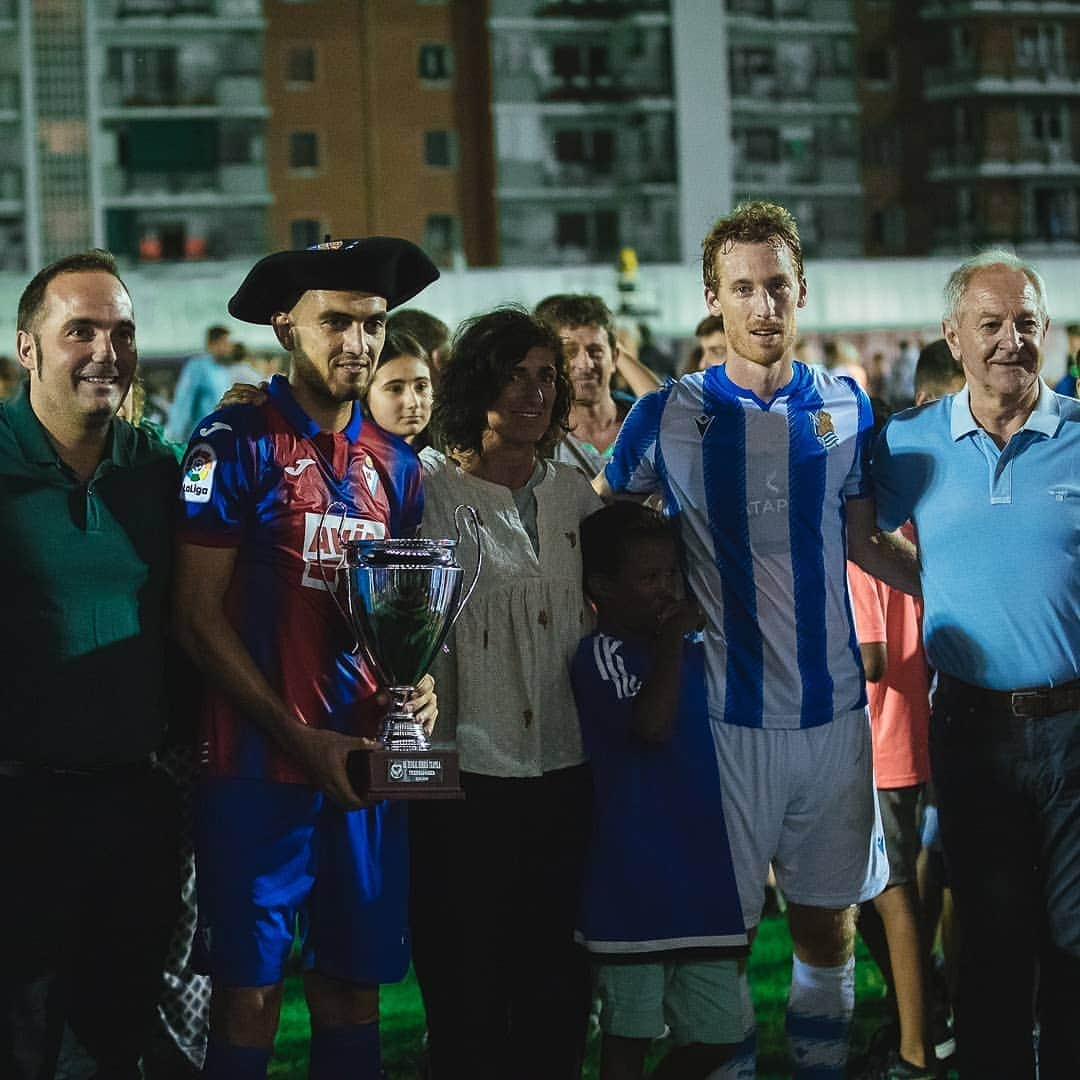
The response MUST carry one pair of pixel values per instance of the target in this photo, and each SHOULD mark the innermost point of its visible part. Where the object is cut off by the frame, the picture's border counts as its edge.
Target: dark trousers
(1008, 793)
(496, 884)
(88, 903)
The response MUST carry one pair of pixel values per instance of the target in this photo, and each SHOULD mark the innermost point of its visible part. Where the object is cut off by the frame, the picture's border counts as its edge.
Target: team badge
(824, 430)
(198, 474)
(371, 477)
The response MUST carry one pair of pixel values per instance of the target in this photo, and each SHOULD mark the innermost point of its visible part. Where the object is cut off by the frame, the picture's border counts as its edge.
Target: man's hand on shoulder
(243, 393)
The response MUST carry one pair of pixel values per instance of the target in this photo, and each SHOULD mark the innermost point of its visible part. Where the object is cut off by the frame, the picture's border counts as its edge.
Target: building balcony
(227, 185)
(769, 93)
(121, 16)
(604, 89)
(230, 95)
(813, 176)
(1011, 79)
(596, 9)
(959, 238)
(794, 16)
(1024, 161)
(952, 9)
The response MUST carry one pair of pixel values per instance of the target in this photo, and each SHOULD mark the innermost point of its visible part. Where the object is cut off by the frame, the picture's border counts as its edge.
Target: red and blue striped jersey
(260, 478)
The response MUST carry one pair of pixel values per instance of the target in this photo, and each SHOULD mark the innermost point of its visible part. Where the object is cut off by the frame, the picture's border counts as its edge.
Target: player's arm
(202, 578)
(640, 378)
(657, 702)
(888, 556)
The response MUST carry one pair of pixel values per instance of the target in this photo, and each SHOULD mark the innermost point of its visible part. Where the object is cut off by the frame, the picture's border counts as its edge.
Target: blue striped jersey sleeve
(633, 464)
(857, 483)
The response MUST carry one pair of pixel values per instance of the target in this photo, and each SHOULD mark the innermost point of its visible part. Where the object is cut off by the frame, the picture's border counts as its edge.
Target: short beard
(318, 384)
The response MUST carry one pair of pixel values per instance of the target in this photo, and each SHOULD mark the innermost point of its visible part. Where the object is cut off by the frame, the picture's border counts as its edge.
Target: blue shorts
(273, 858)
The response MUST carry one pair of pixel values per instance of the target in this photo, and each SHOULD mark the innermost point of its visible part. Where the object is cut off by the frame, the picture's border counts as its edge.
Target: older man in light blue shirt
(991, 478)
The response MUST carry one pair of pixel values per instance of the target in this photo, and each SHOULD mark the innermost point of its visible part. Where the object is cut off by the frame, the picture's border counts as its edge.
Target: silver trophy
(402, 599)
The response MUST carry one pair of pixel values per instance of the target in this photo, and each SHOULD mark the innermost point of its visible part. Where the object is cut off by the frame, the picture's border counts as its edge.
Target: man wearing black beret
(281, 837)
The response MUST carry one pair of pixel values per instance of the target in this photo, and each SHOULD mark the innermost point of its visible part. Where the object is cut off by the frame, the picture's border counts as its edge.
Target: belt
(1028, 703)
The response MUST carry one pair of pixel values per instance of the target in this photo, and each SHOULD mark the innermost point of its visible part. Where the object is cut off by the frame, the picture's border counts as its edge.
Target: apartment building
(137, 125)
(1002, 111)
(381, 124)
(584, 130)
(795, 117)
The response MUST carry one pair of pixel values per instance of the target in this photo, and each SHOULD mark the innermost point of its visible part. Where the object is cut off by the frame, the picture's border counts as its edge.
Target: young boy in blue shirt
(660, 913)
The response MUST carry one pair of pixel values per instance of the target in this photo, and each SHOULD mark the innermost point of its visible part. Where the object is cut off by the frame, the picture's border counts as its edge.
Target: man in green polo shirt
(87, 824)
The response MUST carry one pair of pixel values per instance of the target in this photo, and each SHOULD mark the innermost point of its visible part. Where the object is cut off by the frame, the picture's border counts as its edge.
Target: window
(877, 66)
(300, 65)
(752, 71)
(596, 233)
(1040, 49)
(595, 148)
(762, 144)
(1041, 123)
(304, 232)
(888, 228)
(582, 65)
(303, 150)
(441, 238)
(145, 76)
(570, 146)
(435, 63)
(571, 230)
(440, 149)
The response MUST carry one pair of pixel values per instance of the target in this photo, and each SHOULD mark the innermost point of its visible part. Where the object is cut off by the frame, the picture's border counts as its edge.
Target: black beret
(381, 265)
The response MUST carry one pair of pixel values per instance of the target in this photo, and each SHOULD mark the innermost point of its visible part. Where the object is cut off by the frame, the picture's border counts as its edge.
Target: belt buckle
(1019, 696)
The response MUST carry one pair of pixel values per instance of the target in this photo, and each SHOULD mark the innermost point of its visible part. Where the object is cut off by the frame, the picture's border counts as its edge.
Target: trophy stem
(400, 729)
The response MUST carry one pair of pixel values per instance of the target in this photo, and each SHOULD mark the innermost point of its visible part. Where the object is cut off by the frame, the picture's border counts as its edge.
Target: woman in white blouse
(497, 878)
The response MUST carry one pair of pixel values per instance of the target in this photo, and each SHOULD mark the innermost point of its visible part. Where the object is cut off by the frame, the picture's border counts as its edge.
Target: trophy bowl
(402, 598)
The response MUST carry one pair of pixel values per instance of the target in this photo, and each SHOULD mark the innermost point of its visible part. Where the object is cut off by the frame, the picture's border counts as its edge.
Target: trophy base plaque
(404, 774)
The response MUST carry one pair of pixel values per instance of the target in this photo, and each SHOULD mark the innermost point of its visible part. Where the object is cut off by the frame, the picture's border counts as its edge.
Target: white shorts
(805, 801)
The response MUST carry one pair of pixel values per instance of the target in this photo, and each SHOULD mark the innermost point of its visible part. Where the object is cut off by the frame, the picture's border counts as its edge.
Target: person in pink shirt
(888, 623)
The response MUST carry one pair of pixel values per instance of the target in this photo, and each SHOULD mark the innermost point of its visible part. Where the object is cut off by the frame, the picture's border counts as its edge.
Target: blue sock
(819, 1019)
(224, 1061)
(347, 1053)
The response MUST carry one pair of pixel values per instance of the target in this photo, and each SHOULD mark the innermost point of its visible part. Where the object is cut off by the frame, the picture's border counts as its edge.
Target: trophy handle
(470, 513)
(331, 583)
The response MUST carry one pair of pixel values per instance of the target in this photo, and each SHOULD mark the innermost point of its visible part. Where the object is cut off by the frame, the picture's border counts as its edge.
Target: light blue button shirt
(999, 537)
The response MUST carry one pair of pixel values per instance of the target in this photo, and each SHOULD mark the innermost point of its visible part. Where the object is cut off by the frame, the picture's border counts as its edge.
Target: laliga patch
(198, 474)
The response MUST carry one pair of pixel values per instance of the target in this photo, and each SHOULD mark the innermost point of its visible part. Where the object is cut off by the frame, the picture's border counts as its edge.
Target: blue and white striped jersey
(758, 491)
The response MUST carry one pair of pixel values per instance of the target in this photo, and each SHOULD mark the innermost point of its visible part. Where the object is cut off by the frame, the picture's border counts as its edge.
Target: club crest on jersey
(824, 429)
(371, 477)
(198, 474)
